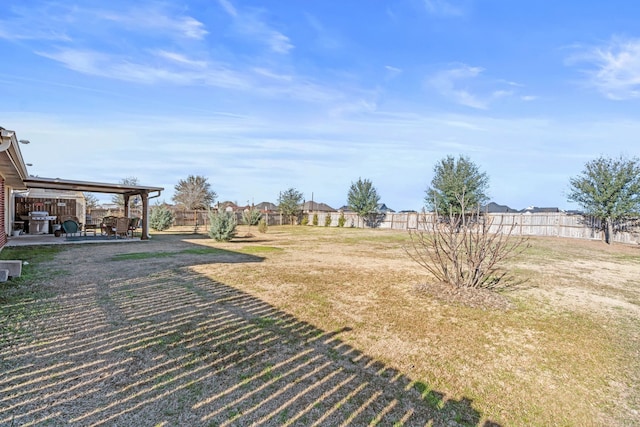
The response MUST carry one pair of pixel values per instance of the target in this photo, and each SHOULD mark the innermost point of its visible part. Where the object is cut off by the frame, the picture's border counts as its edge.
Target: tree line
(607, 189)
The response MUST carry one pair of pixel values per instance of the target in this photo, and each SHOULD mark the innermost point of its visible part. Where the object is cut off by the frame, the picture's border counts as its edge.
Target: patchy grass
(165, 254)
(260, 249)
(567, 347)
(331, 328)
(24, 299)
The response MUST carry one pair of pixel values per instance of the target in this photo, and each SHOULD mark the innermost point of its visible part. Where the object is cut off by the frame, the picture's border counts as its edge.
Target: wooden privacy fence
(558, 224)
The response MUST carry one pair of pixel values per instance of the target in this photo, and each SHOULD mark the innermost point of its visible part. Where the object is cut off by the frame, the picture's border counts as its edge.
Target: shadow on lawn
(176, 348)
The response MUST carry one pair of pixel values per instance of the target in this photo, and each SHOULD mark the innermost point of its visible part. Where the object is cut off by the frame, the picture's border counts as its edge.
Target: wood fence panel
(551, 224)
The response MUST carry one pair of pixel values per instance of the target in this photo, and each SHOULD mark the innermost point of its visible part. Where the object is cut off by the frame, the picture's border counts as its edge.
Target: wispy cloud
(228, 7)
(444, 7)
(466, 85)
(325, 38)
(252, 24)
(613, 68)
(158, 20)
(124, 68)
(22, 23)
(181, 59)
(448, 82)
(60, 22)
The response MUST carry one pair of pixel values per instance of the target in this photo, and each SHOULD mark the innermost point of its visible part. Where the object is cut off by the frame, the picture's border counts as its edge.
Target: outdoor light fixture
(24, 141)
(28, 164)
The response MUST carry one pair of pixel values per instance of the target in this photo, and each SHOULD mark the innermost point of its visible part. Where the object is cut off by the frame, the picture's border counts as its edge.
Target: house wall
(5, 222)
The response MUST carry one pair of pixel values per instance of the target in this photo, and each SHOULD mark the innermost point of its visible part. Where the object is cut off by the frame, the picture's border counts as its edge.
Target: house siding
(3, 204)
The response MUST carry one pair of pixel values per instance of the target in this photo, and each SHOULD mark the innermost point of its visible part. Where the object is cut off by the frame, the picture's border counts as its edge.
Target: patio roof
(12, 165)
(101, 187)
(88, 186)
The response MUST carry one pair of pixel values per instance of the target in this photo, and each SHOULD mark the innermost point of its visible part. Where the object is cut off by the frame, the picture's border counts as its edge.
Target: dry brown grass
(330, 326)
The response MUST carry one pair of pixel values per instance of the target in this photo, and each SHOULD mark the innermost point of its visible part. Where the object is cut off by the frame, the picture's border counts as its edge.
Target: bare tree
(91, 201)
(118, 199)
(194, 193)
(465, 250)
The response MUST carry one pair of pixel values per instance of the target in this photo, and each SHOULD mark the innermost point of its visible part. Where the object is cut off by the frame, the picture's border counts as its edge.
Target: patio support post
(126, 205)
(145, 216)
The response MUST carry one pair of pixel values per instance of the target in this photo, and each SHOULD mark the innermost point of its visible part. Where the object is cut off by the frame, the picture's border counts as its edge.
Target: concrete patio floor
(50, 239)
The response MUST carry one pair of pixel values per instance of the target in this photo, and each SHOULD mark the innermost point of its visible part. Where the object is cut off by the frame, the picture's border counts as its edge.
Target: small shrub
(160, 218)
(341, 220)
(327, 220)
(315, 219)
(305, 220)
(262, 226)
(223, 226)
(465, 250)
(251, 217)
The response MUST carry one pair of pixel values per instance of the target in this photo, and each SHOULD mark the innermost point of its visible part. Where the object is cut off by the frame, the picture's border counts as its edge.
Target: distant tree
(341, 220)
(90, 200)
(363, 198)
(118, 199)
(457, 182)
(608, 189)
(327, 220)
(251, 216)
(289, 203)
(194, 193)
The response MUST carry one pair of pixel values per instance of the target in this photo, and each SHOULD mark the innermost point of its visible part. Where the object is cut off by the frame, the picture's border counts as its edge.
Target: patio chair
(69, 226)
(122, 227)
(108, 225)
(134, 224)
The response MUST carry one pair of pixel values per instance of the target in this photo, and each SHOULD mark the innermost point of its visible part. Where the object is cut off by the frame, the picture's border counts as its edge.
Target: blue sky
(263, 96)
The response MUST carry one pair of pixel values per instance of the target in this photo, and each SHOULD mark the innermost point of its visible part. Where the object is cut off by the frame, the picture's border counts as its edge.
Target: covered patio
(50, 239)
(127, 191)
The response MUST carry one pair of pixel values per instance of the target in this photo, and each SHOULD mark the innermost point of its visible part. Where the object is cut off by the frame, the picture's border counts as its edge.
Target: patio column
(126, 205)
(145, 216)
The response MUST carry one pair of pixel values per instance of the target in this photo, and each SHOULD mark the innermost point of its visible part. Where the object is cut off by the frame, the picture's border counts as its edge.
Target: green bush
(262, 226)
(341, 220)
(160, 218)
(305, 219)
(315, 219)
(223, 226)
(251, 217)
(327, 220)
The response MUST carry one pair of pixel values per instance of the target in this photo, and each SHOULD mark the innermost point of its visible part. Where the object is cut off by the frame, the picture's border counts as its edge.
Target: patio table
(90, 228)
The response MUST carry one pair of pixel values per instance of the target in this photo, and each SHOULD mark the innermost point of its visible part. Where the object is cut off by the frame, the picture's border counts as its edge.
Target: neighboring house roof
(227, 204)
(266, 207)
(534, 209)
(382, 208)
(317, 207)
(496, 208)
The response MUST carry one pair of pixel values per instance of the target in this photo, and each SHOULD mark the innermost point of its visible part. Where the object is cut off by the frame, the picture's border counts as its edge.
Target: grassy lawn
(315, 326)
